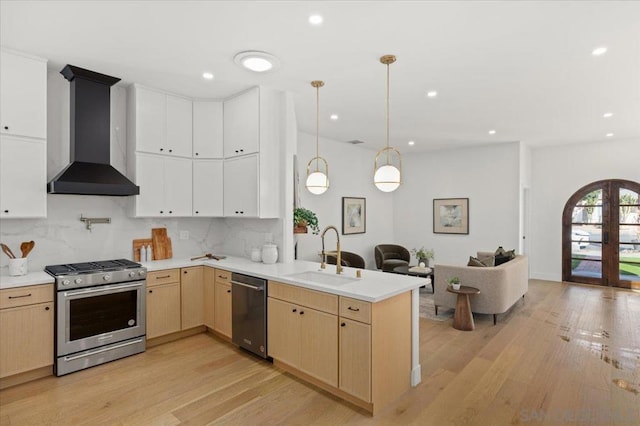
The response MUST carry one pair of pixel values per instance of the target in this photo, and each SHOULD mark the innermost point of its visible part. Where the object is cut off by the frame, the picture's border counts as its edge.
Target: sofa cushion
(484, 262)
(503, 256)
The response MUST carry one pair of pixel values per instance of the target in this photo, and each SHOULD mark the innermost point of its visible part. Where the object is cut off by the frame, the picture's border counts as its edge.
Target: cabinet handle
(170, 211)
(161, 212)
(164, 276)
(197, 212)
(301, 312)
(185, 272)
(223, 277)
(343, 325)
(6, 127)
(46, 308)
(161, 149)
(242, 150)
(294, 310)
(354, 310)
(19, 297)
(196, 153)
(236, 150)
(228, 291)
(6, 211)
(150, 291)
(241, 212)
(170, 150)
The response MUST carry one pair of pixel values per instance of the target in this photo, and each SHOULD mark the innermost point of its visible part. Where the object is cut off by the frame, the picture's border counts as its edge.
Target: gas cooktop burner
(91, 267)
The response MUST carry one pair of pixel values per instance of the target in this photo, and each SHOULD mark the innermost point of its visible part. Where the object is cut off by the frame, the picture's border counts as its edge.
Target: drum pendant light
(318, 179)
(388, 173)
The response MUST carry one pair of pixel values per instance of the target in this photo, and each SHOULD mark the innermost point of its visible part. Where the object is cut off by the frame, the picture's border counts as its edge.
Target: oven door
(95, 316)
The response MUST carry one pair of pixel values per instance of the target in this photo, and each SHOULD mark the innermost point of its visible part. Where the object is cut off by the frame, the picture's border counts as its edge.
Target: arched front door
(601, 234)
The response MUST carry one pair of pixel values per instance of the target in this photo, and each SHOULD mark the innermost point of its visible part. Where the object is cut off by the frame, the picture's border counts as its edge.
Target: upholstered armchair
(347, 259)
(390, 256)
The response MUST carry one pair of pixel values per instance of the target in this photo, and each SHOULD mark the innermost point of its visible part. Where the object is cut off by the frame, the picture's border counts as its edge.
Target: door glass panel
(589, 208)
(586, 268)
(629, 234)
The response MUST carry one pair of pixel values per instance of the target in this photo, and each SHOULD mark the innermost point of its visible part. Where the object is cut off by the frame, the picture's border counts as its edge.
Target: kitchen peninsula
(356, 337)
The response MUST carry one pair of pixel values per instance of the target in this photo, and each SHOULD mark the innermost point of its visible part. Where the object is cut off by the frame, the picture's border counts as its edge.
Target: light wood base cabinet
(26, 329)
(163, 309)
(209, 281)
(360, 351)
(192, 290)
(222, 303)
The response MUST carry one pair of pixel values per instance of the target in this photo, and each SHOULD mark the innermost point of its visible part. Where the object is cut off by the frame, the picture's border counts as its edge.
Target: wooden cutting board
(137, 244)
(161, 244)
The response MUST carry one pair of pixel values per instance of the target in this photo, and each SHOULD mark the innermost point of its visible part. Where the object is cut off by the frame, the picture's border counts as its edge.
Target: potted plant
(303, 218)
(423, 255)
(455, 283)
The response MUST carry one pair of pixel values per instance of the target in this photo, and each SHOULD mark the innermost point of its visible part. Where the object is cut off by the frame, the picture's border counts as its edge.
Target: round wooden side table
(463, 318)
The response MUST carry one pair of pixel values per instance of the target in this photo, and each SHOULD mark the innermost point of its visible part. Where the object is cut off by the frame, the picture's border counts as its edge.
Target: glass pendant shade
(387, 178)
(317, 183)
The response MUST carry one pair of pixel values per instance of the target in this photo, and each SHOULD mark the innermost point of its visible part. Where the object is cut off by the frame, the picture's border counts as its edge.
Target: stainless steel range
(100, 313)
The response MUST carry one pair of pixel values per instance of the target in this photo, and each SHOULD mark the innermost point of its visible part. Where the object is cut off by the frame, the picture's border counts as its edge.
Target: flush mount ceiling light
(432, 94)
(599, 51)
(257, 61)
(318, 180)
(316, 19)
(388, 176)
(492, 132)
(334, 117)
(207, 75)
(607, 115)
(411, 143)
(609, 135)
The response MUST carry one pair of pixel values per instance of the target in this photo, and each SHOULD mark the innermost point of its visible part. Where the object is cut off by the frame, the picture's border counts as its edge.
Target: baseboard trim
(175, 336)
(27, 376)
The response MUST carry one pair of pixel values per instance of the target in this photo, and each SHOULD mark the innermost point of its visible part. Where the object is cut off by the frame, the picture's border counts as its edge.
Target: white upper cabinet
(160, 123)
(241, 186)
(23, 95)
(242, 124)
(207, 188)
(179, 126)
(165, 186)
(207, 129)
(23, 177)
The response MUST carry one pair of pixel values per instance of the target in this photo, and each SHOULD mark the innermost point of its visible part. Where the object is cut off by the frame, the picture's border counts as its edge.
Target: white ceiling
(522, 68)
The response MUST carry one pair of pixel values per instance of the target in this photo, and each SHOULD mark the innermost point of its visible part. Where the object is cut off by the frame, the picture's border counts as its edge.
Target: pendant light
(388, 174)
(317, 180)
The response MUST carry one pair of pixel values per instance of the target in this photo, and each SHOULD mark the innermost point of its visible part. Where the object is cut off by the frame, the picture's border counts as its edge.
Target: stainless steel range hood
(90, 171)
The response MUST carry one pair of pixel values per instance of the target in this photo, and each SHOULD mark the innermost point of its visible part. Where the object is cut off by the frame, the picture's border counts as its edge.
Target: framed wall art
(354, 215)
(450, 215)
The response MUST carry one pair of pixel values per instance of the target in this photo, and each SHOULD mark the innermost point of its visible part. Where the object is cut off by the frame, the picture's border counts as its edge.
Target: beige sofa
(500, 286)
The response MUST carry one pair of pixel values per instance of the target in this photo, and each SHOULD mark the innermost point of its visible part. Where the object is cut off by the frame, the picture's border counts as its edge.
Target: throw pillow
(484, 262)
(502, 259)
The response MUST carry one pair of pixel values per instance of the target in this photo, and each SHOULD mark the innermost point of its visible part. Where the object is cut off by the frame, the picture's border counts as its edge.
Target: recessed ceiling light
(609, 135)
(316, 19)
(599, 51)
(492, 132)
(607, 114)
(432, 94)
(207, 75)
(257, 61)
(334, 116)
(411, 143)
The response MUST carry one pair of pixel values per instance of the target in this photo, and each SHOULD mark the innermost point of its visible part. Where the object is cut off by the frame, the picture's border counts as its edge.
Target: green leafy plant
(423, 253)
(304, 217)
(454, 280)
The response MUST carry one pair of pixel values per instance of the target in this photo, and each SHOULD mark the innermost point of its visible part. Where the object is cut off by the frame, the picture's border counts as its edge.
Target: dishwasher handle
(247, 285)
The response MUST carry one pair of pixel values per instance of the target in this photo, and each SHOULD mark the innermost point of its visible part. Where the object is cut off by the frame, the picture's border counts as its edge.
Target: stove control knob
(66, 282)
(78, 281)
(132, 274)
(107, 277)
(141, 273)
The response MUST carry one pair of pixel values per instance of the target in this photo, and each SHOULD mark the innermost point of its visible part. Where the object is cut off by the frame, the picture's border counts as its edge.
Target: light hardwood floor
(567, 354)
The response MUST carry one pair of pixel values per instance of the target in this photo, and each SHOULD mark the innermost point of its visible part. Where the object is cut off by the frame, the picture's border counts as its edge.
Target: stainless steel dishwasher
(249, 313)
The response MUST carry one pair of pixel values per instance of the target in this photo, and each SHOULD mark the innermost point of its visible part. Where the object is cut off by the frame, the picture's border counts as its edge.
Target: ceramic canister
(256, 254)
(269, 253)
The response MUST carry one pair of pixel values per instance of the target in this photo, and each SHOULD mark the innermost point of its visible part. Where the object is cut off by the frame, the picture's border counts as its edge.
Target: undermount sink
(326, 278)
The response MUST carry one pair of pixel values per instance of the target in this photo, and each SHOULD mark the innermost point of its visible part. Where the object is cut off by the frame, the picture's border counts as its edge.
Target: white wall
(350, 175)
(558, 172)
(489, 176)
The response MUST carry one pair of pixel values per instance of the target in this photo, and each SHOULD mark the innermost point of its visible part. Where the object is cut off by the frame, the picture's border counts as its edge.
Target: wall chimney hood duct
(90, 171)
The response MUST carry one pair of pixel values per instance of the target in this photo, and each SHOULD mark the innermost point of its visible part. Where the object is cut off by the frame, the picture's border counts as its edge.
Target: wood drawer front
(354, 309)
(301, 296)
(23, 296)
(163, 277)
(222, 276)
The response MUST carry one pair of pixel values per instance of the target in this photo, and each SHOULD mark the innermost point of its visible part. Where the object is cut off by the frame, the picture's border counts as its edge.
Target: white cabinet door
(150, 178)
(179, 127)
(242, 124)
(207, 187)
(23, 95)
(207, 129)
(23, 178)
(178, 186)
(241, 186)
(150, 121)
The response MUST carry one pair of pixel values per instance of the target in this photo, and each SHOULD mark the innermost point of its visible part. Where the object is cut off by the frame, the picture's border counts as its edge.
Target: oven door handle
(247, 286)
(102, 289)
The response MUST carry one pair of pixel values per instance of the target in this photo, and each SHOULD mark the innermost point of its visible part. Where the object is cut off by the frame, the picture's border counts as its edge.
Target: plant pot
(300, 229)
(425, 261)
(455, 286)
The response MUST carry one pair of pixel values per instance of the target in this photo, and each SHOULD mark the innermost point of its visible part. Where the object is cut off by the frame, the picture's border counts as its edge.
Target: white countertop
(32, 278)
(373, 286)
